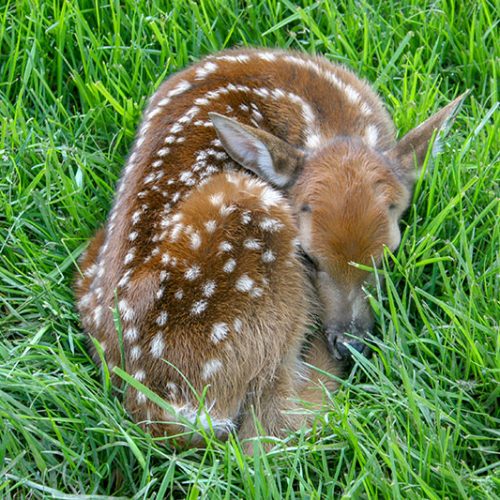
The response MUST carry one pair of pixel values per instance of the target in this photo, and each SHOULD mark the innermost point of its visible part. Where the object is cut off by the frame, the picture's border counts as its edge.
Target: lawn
(420, 419)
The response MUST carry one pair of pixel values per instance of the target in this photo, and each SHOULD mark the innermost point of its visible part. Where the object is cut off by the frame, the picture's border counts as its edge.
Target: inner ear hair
(261, 152)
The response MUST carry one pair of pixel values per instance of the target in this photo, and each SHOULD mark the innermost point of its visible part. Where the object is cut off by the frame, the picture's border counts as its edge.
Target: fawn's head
(348, 199)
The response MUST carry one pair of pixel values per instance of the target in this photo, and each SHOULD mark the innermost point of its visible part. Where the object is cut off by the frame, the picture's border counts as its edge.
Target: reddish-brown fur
(203, 256)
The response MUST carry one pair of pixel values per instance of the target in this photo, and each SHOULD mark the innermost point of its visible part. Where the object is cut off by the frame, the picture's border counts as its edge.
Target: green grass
(418, 420)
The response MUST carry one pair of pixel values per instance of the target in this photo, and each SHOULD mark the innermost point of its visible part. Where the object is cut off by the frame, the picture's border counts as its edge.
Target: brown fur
(202, 256)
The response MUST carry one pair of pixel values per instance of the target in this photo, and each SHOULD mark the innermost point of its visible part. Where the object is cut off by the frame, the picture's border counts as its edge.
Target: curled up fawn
(257, 178)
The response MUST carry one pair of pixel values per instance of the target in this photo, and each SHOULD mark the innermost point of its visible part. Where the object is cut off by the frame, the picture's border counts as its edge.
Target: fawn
(257, 178)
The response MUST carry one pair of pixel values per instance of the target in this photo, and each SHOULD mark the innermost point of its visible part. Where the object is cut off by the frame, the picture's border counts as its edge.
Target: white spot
(192, 273)
(179, 294)
(149, 178)
(172, 389)
(209, 288)
(176, 231)
(129, 257)
(187, 178)
(244, 283)
(256, 292)
(216, 199)
(267, 56)
(201, 101)
(219, 332)
(170, 139)
(165, 258)
(227, 209)
(270, 197)
(140, 398)
(199, 306)
(161, 320)
(131, 334)
(164, 101)
(164, 275)
(244, 107)
(238, 325)
(257, 114)
(175, 128)
(136, 216)
(313, 141)
(195, 240)
(127, 312)
(157, 345)
(205, 70)
(242, 58)
(132, 236)
(90, 271)
(163, 152)
(225, 246)
(140, 375)
(252, 244)
(268, 256)
(271, 225)
(210, 368)
(210, 226)
(152, 114)
(86, 299)
(352, 94)
(371, 135)
(181, 87)
(97, 315)
(135, 353)
(229, 266)
(246, 217)
(124, 279)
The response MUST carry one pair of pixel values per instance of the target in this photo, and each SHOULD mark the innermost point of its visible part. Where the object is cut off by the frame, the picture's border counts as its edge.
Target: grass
(418, 420)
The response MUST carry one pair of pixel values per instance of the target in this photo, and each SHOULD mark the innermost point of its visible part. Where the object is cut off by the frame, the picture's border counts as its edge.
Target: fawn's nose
(341, 345)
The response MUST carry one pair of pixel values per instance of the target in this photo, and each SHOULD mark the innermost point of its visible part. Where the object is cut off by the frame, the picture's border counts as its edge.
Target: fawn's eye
(305, 208)
(392, 206)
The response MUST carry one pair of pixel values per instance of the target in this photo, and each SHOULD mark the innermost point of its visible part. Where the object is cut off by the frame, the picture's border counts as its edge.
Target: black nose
(343, 350)
(339, 346)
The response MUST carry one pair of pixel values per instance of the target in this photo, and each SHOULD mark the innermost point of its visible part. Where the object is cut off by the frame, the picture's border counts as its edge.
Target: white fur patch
(268, 256)
(210, 226)
(209, 288)
(229, 266)
(252, 244)
(157, 345)
(371, 135)
(192, 273)
(127, 312)
(244, 283)
(161, 320)
(131, 334)
(219, 332)
(210, 368)
(199, 306)
(135, 353)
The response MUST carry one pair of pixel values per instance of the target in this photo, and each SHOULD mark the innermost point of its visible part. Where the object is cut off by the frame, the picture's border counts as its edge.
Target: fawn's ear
(264, 154)
(411, 150)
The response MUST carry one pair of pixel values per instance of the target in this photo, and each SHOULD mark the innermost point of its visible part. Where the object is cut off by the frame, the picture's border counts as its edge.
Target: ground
(419, 419)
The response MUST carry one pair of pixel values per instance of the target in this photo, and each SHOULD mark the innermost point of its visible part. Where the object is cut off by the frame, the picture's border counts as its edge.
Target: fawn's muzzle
(341, 343)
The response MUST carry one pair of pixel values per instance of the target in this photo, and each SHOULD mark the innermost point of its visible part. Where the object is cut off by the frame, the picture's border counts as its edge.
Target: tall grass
(418, 420)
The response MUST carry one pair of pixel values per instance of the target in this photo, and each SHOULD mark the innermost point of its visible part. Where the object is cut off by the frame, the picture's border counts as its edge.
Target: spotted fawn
(256, 179)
